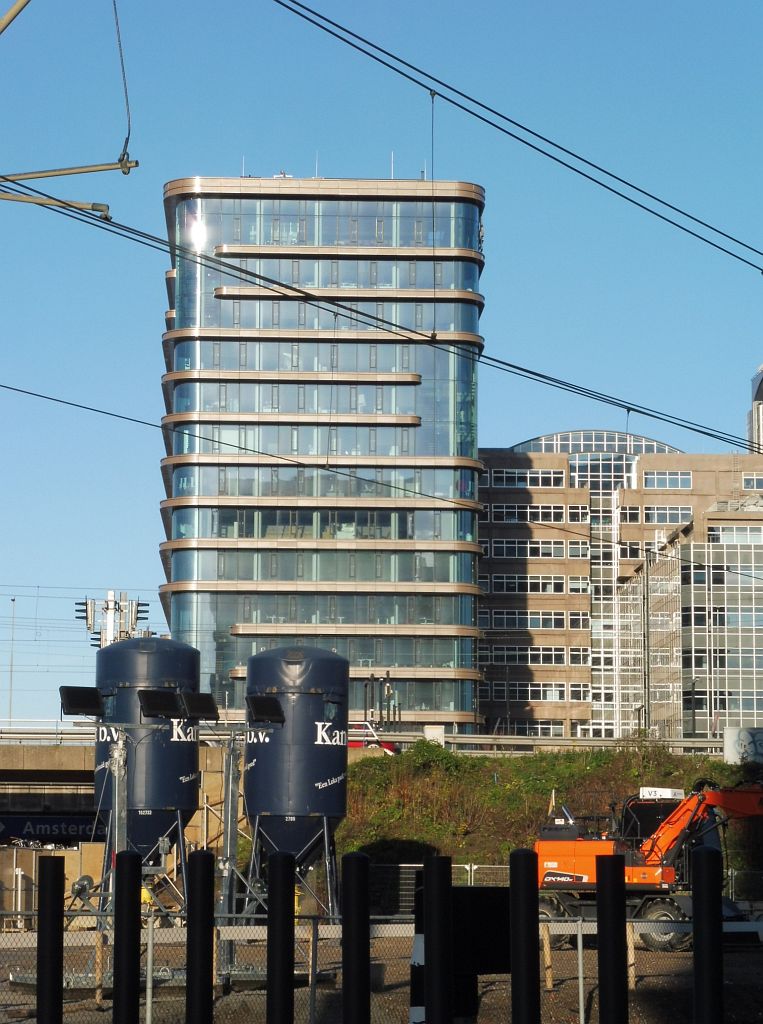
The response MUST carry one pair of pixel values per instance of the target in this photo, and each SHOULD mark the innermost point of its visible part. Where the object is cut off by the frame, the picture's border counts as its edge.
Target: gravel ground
(663, 990)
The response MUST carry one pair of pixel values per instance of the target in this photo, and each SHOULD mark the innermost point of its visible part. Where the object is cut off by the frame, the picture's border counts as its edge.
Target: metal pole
(118, 768)
(611, 944)
(707, 882)
(10, 666)
(647, 644)
(313, 968)
(50, 941)
(11, 14)
(200, 911)
(417, 994)
(356, 940)
(180, 851)
(127, 881)
(227, 893)
(125, 166)
(438, 940)
(581, 973)
(279, 1005)
(150, 967)
(523, 928)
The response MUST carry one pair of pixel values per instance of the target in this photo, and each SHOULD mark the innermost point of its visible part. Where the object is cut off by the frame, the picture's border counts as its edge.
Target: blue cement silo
(295, 771)
(162, 755)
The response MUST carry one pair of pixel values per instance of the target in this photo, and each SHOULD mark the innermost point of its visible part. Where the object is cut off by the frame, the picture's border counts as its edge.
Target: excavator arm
(667, 841)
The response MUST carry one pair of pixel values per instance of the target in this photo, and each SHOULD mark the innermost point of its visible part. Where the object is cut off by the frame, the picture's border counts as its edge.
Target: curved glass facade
(321, 430)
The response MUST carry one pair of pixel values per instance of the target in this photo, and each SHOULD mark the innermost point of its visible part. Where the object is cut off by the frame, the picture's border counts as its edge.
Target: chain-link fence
(660, 983)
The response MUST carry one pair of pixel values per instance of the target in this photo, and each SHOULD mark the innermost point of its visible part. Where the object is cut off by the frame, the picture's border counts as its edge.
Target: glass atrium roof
(569, 441)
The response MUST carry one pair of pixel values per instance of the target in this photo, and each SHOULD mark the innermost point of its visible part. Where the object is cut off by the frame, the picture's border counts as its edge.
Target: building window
(524, 619)
(579, 585)
(528, 513)
(752, 482)
(527, 584)
(577, 514)
(580, 620)
(667, 513)
(511, 548)
(536, 727)
(735, 534)
(630, 514)
(525, 692)
(505, 654)
(578, 549)
(667, 479)
(580, 655)
(580, 691)
(630, 549)
(696, 616)
(524, 479)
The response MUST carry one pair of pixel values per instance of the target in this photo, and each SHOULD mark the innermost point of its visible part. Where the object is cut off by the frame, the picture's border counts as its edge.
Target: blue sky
(577, 283)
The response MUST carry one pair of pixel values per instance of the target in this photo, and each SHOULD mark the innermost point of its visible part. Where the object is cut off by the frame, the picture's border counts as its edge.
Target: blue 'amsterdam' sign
(51, 828)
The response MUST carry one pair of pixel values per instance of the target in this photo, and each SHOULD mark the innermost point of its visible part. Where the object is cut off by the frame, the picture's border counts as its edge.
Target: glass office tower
(321, 432)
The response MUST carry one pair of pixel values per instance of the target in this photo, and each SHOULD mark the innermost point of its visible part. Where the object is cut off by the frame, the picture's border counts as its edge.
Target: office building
(566, 518)
(321, 432)
(691, 641)
(755, 415)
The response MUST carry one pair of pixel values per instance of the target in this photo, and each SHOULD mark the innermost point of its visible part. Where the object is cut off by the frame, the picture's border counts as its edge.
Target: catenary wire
(369, 319)
(124, 155)
(530, 145)
(462, 503)
(517, 124)
(164, 246)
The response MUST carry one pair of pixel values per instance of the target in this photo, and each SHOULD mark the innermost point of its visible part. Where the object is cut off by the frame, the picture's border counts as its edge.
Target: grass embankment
(477, 809)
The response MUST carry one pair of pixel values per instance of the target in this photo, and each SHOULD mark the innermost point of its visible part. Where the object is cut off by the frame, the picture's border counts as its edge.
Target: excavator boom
(664, 844)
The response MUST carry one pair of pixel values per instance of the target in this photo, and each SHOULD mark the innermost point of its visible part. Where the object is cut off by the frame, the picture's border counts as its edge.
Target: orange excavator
(656, 832)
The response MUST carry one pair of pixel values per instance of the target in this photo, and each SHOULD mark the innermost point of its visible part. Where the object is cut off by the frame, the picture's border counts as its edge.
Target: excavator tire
(664, 942)
(549, 910)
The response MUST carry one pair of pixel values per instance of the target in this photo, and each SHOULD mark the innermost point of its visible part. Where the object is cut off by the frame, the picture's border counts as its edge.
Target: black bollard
(417, 996)
(523, 931)
(127, 882)
(356, 940)
(200, 925)
(611, 942)
(50, 941)
(280, 983)
(438, 941)
(707, 885)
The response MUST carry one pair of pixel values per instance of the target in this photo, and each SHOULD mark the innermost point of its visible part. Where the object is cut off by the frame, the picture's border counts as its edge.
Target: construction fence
(660, 983)
(392, 886)
(199, 965)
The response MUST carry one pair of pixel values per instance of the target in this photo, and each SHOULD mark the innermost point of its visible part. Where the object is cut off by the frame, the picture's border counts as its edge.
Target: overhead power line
(427, 80)
(124, 156)
(377, 322)
(458, 503)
